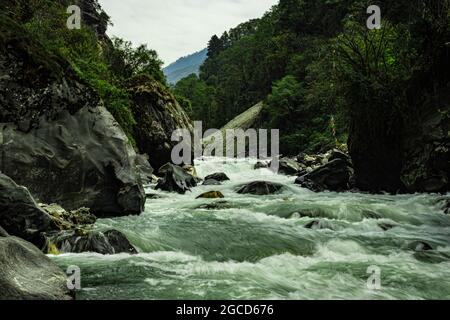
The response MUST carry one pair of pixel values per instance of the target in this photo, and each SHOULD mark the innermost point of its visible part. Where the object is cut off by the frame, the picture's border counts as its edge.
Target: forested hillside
(185, 66)
(327, 79)
(314, 62)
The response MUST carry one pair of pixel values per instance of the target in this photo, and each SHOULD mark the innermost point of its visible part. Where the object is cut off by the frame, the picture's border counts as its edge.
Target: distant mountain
(185, 66)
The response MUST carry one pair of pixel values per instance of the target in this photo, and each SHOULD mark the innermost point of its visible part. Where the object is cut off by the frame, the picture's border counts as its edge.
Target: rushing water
(258, 247)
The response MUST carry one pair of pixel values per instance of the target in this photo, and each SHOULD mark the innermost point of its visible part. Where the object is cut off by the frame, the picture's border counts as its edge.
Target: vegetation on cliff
(104, 64)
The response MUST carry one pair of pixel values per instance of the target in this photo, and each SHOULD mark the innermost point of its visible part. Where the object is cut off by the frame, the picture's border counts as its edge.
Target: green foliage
(126, 61)
(201, 98)
(316, 66)
(104, 66)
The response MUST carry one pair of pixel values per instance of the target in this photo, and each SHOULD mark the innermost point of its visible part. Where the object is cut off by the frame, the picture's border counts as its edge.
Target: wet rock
(386, 226)
(261, 165)
(212, 182)
(158, 115)
(211, 195)
(309, 160)
(175, 179)
(336, 175)
(218, 205)
(190, 169)
(318, 225)
(57, 138)
(27, 274)
(288, 167)
(260, 188)
(78, 241)
(144, 169)
(19, 213)
(419, 246)
(220, 176)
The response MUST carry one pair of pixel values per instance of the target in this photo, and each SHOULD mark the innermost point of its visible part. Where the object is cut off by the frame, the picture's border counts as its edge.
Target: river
(257, 247)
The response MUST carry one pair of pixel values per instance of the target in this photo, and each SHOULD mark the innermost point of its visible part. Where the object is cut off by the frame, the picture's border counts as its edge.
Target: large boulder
(175, 179)
(336, 175)
(427, 157)
(19, 213)
(77, 241)
(260, 188)
(56, 138)
(158, 115)
(27, 274)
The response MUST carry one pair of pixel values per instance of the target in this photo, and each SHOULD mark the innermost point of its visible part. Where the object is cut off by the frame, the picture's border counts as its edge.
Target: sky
(176, 28)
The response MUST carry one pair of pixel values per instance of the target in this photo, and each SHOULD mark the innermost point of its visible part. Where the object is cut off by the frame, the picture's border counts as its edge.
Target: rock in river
(27, 274)
(260, 188)
(19, 213)
(77, 241)
(336, 175)
(175, 179)
(220, 176)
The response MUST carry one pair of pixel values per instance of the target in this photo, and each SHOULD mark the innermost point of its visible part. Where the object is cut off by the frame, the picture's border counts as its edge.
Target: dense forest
(318, 69)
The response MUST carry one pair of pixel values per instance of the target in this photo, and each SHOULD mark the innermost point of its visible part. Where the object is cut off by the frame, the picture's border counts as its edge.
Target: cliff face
(55, 137)
(158, 115)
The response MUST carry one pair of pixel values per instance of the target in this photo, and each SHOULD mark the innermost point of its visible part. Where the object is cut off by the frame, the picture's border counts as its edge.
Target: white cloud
(176, 28)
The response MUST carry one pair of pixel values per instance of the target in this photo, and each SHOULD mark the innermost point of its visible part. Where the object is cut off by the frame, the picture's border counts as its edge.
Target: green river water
(258, 247)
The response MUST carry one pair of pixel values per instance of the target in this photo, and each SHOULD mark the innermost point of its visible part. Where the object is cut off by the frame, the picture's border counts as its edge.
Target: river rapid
(257, 247)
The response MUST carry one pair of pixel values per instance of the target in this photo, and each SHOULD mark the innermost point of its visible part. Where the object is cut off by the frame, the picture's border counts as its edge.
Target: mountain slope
(185, 66)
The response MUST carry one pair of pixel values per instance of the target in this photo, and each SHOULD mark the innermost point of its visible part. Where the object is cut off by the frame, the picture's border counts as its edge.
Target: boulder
(77, 241)
(64, 220)
(144, 168)
(56, 138)
(261, 165)
(175, 179)
(337, 154)
(19, 213)
(336, 175)
(419, 246)
(27, 274)
(288, 167)
(212, 182)
(220, 176)
(260, 188)
(158, 115)
(211, 195)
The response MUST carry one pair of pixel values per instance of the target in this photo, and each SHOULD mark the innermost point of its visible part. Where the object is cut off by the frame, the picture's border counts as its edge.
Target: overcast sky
(176, 28)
